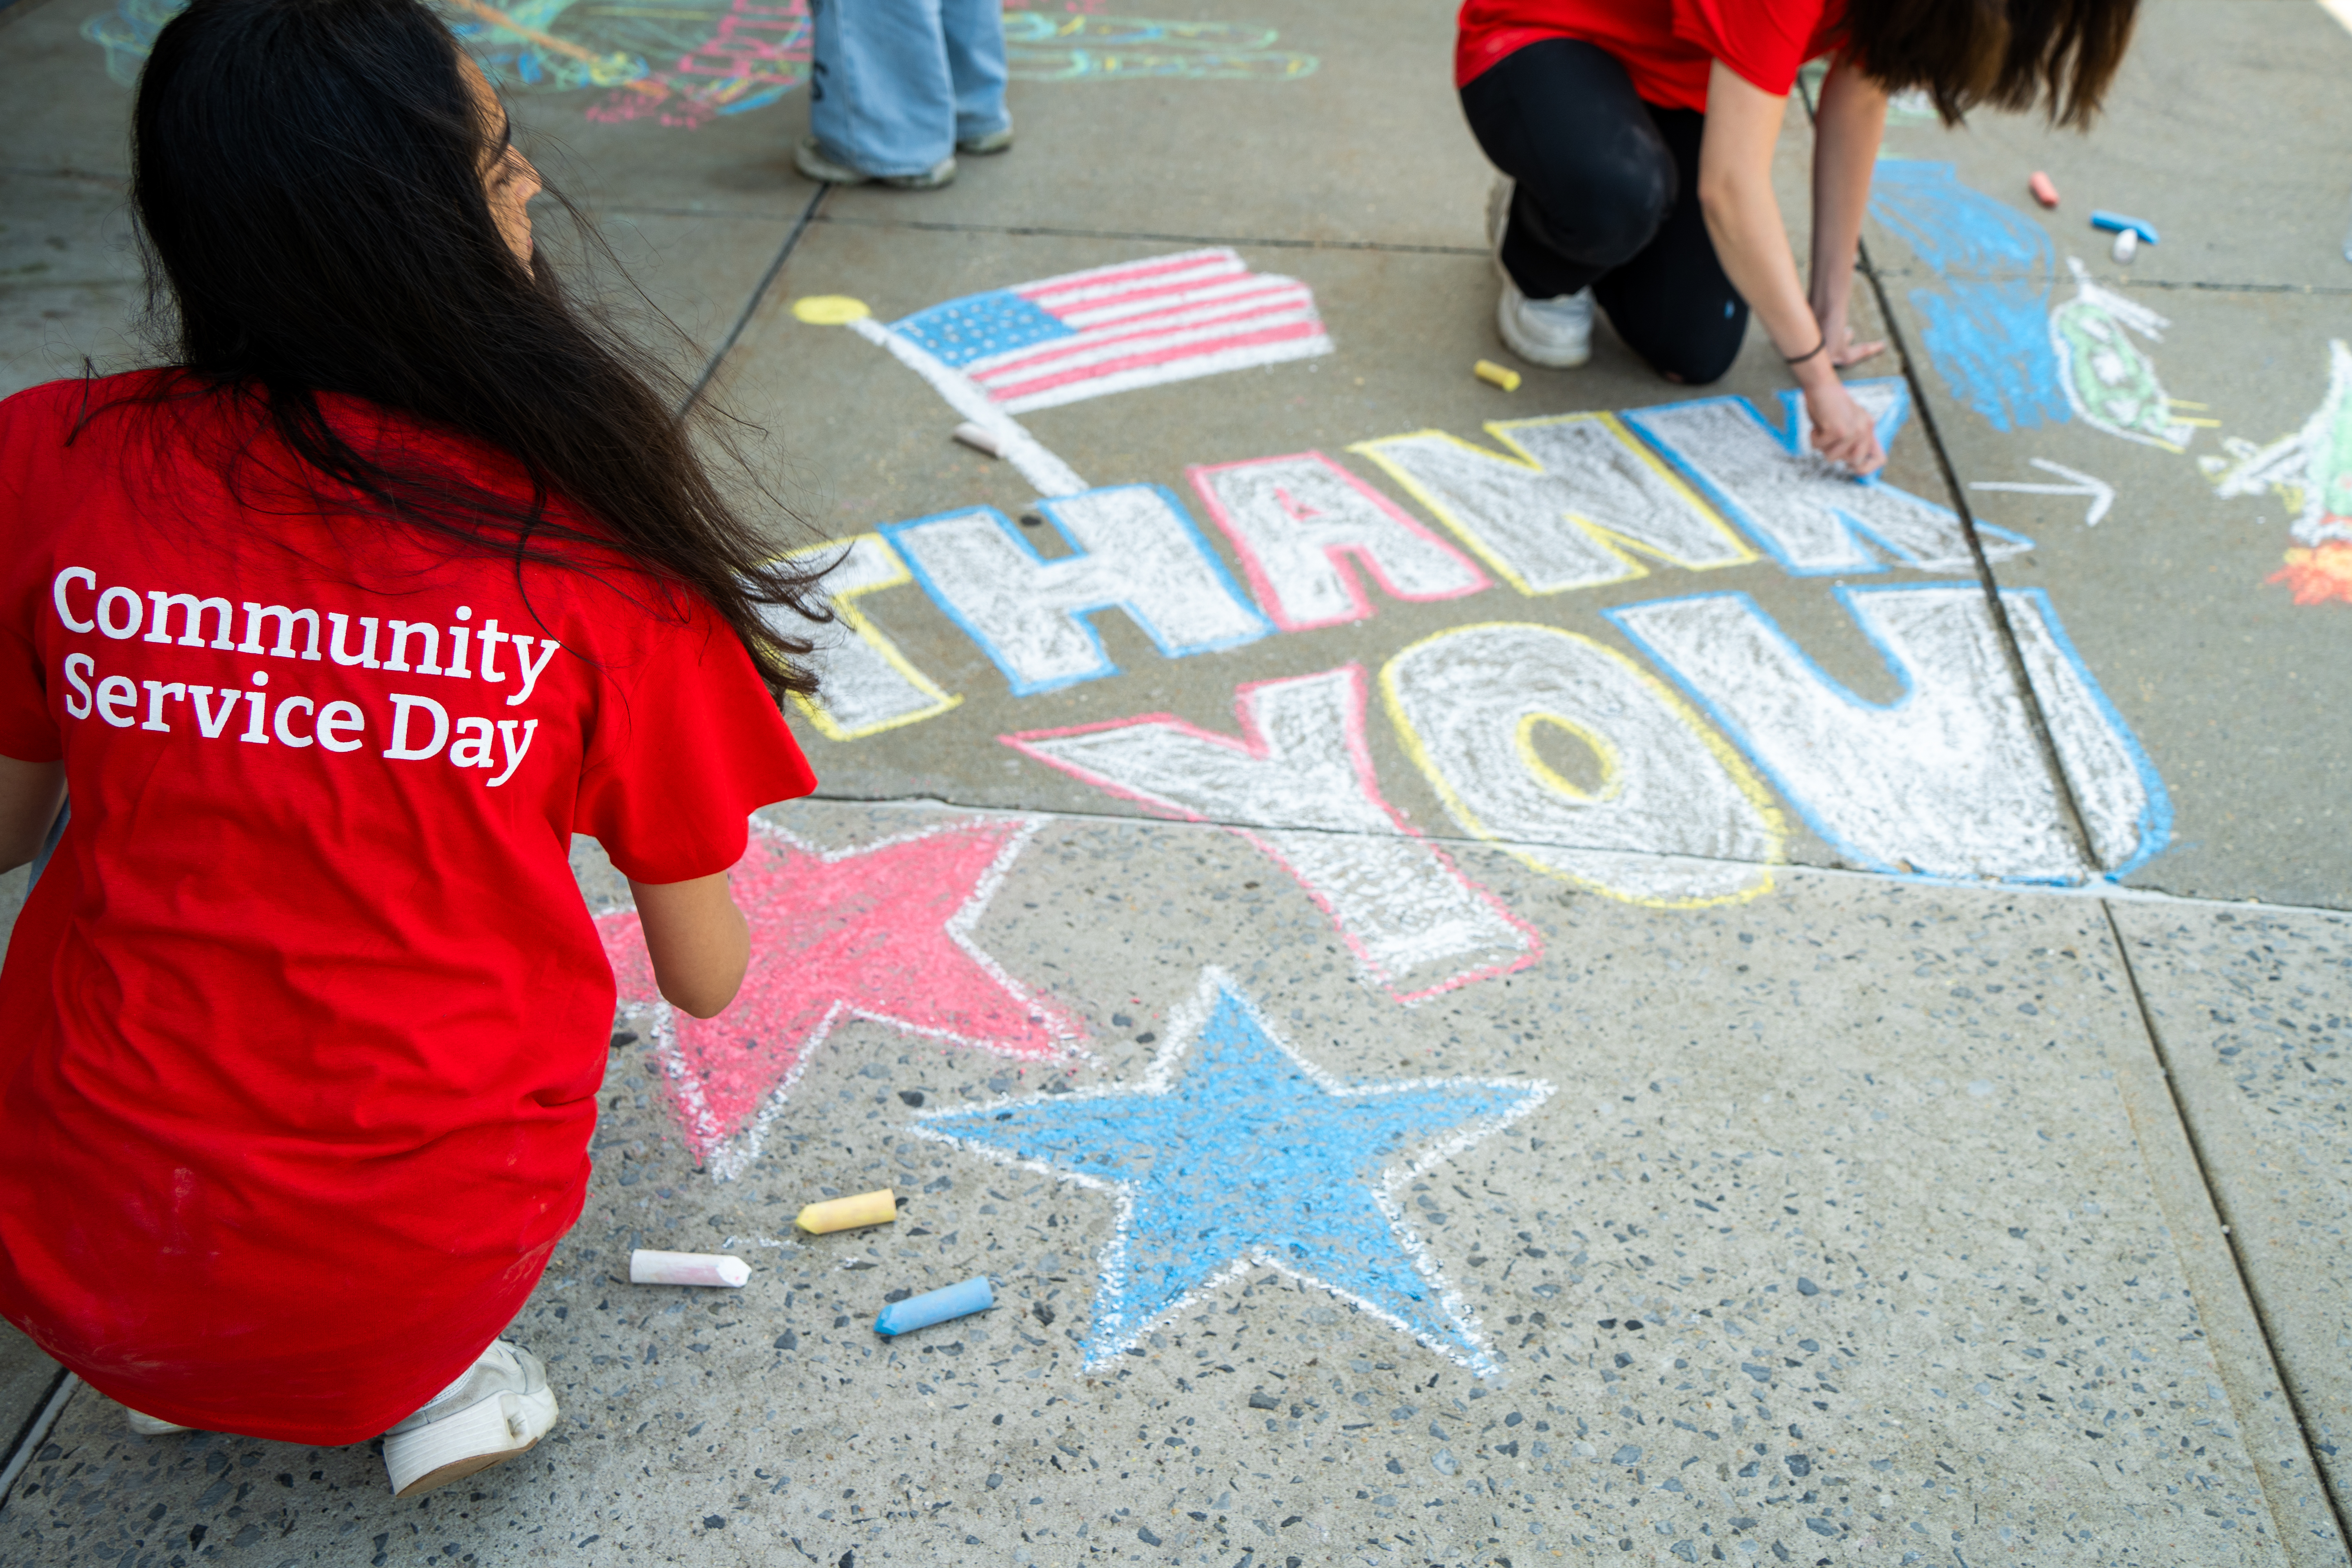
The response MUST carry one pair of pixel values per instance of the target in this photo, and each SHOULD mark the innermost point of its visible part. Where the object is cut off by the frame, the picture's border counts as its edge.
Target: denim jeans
(895, 84)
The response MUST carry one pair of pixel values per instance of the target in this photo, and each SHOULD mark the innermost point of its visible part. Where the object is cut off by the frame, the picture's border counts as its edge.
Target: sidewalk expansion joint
(2304, 1426)
(1264, 242)
(2069, 806)
(2103, 891)
(751, 304)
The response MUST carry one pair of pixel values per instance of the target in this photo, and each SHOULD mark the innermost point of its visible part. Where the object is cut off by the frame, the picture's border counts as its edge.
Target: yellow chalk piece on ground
(829, 310)
(849, 1213)
(1494, 374)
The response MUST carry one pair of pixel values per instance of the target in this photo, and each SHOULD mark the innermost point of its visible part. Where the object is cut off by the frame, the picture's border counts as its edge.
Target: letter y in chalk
(1299, 783)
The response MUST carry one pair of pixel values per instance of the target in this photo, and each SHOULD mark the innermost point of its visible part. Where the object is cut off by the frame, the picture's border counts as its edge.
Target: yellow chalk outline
(1524, 740)
(844, 605)
(1743, 777)
(1617, 545)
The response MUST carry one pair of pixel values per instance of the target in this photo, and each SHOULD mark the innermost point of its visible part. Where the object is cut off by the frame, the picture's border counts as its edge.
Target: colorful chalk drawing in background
(684, 62)
(1040, 45)
(881, 932)
(1235, 1151)
(2311, 470)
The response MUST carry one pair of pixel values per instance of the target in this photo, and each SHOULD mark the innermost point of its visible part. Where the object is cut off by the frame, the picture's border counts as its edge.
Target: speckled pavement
(1359, 1181)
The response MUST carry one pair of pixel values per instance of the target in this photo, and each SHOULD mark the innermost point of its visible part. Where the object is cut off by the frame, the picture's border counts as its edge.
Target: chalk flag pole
(1046, 473)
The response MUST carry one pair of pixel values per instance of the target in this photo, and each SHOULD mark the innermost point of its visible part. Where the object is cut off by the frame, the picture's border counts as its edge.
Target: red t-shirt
(301, 1028)
(1667, 46)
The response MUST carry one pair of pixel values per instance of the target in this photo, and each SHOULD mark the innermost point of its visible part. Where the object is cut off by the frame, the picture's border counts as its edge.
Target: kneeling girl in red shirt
(338, 627)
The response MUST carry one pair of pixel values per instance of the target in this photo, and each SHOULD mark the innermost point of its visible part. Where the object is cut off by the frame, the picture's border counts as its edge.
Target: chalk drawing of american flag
(1113, 329)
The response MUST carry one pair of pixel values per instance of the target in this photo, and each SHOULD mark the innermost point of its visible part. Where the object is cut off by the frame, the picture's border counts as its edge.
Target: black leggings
(1607, 196)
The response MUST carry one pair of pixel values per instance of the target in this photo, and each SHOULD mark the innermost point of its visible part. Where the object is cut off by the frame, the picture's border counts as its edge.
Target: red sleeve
(687, 744)
(28, 427)
(1764, 40)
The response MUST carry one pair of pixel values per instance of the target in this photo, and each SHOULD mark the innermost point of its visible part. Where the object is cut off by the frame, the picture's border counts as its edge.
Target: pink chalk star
(880, 931)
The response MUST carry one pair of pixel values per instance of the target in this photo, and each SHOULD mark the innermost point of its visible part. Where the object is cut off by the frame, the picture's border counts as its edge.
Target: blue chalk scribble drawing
(1988, 323)
(1235, 1151)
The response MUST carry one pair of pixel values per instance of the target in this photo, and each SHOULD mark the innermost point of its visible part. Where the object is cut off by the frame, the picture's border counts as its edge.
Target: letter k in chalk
(880, 931)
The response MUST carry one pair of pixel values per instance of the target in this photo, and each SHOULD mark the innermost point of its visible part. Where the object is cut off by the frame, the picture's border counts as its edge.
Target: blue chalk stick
(934, 1307)
(2115, 222)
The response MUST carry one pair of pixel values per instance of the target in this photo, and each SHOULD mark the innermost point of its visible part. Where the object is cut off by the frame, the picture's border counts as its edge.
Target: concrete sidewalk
(1491, 977)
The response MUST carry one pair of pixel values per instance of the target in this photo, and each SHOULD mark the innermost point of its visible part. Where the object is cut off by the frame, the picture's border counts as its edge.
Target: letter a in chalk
(1292, 519)
(1299, 786)
(1811, 515)
(1948, 780)
(1142, 555)
(1567, 510)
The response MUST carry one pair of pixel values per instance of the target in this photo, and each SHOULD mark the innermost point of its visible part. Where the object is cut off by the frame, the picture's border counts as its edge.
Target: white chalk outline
(1184, 1024)
(1047, 474)
(726, 1157)
(2101, 493)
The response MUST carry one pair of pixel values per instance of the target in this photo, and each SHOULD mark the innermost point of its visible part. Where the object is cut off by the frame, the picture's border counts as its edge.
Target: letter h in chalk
(1136, 551)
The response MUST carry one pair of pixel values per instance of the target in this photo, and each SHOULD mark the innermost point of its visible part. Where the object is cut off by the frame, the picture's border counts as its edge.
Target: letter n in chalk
(1292, 519)
(1298, 783)
(1949, 779)
(1138, 553)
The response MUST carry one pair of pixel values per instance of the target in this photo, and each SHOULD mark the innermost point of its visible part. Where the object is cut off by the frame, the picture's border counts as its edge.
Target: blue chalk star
(1234, 1152)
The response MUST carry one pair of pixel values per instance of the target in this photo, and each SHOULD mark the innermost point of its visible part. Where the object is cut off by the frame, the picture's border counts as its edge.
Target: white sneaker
(1554, 334)
(810, 161)
(150, 1426)
(498, 1409)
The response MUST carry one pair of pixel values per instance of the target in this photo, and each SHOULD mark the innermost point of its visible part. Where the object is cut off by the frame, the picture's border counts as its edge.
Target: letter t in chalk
(849, 1213)
(934, 1307)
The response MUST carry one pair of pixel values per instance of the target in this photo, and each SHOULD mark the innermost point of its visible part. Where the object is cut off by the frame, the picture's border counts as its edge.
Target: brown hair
(2008, 54)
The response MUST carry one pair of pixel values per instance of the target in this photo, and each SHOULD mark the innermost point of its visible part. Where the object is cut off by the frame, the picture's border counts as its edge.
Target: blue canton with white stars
(979, 325)
(1236, 1152)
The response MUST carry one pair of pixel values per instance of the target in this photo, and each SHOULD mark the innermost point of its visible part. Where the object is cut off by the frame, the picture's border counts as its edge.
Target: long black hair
(2005, 53)
(307, 177)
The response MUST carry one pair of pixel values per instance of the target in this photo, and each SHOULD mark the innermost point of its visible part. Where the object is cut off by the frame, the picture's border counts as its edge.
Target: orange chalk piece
(2044, 189)
(1494, 374)
(849, 1213)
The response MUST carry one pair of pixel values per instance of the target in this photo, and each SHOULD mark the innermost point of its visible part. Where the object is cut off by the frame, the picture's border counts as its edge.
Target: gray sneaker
(810, 161)
(995, 141)
(500, 1408)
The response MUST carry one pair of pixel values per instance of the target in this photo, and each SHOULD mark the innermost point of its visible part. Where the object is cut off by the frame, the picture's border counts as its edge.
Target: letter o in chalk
(106, 621)
(1468, 705)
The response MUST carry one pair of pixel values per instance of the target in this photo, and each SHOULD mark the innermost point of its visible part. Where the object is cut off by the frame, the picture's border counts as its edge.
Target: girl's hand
(1843, 431)
(1843, 351)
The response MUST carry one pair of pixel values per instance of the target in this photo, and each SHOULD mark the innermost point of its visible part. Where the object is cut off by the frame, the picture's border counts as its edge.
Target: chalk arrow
(2102, 494)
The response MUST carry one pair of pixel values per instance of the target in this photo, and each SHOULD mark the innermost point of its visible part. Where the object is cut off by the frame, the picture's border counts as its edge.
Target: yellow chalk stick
(849, 1213)
(829, 310)
(1494, 374)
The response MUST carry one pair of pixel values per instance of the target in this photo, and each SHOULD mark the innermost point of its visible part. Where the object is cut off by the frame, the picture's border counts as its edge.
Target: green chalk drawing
(2108, 377)
(2310, 470)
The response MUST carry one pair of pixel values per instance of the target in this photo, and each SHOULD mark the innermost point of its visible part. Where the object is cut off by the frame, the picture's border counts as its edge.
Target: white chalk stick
(648, 1267)
(979, 438)
(2126, 245)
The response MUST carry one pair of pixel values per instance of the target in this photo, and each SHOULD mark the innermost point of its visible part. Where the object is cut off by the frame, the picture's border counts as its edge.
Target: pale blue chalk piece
(2115, 222)
(934, 1307)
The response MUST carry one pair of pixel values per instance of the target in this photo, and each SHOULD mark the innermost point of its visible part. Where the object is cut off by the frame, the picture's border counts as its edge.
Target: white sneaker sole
(149, 1425)
(465, 1441)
